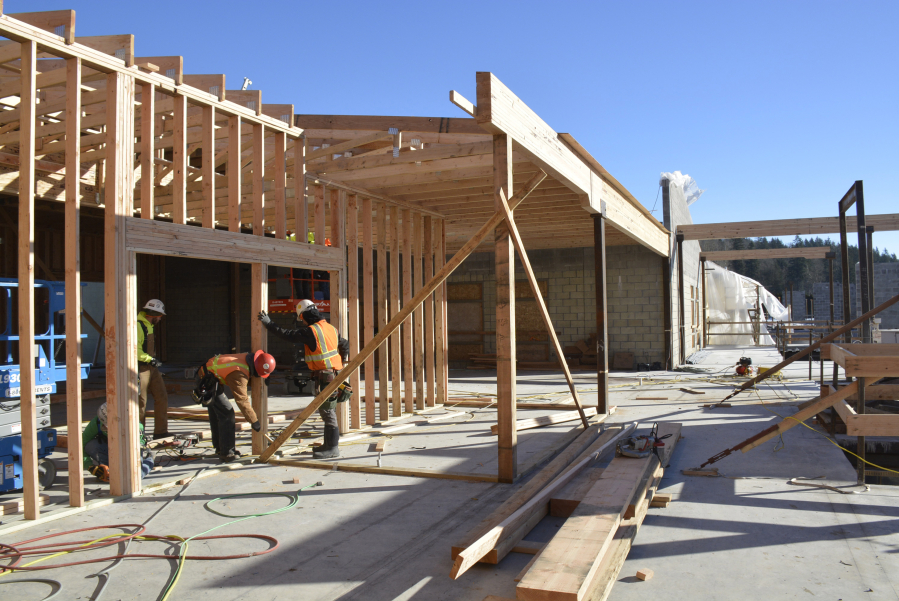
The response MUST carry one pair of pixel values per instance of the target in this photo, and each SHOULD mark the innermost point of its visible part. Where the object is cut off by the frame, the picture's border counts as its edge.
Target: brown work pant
(151, 381)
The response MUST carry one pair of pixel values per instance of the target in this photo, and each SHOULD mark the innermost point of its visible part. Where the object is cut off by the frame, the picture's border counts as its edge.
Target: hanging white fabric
(730, 297)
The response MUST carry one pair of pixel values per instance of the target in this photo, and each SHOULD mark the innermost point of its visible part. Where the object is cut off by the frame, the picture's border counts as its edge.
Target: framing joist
(816, 252)
(784, 227)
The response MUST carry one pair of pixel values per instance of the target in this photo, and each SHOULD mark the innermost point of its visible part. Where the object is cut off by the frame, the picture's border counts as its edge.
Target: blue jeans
(97, 451)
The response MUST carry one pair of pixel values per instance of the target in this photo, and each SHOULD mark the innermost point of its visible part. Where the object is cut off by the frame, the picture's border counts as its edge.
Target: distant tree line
(776, 274)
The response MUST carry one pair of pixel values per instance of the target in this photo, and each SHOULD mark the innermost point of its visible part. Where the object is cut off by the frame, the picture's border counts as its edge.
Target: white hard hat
(101, 414)
(303, 306)
(154, 304)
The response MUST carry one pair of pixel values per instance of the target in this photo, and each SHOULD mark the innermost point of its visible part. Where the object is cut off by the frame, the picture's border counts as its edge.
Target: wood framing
(440, 354)
(258, 341)
(804, 226)
(368, 308)
(418, 322)
(394, 306)
(352, 235)
(381, 307)
(408, 391)
(817, 252)
(428, 250)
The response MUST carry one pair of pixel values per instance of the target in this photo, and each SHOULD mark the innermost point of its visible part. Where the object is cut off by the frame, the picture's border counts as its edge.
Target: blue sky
(775, 108)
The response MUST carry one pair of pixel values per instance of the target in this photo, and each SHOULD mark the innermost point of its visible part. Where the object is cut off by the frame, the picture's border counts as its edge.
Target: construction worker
(95, 443)
(148, 369)
(235, 372)
(325, 353)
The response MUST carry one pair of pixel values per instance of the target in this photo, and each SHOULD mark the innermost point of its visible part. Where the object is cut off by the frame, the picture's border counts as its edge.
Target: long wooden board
(548, 420)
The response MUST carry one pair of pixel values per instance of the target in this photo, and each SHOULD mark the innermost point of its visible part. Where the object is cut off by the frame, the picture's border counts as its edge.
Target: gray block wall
(886, 286)
(821, 292)
(800, 310)
(676, 213)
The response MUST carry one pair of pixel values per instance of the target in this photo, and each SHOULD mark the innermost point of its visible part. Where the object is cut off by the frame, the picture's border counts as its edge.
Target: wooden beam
(406, 236)
(463, 103)
(445, 330)
(505, 311)
(428, 249)
(393, 307)
(208, 158)
(320, 214)
(383, 123)
(348, 145)
(259, 340)
(179, 160)
(234, 173)
(390, 471)
(120, 289)
(280, 172)
(161, 238)
(169, 66)
(258, 179)
(352, 234)
(418, 321)
(400, 317)
(339, 278)
(368, 308)
(300, 203)
(544, 312)
(784, 227)
(147, 166)
(50, 20)
(212, 83)
(816, 252)
(549, 420)
(26, 256)
(439, 319)
(73, 278)
(381, 310)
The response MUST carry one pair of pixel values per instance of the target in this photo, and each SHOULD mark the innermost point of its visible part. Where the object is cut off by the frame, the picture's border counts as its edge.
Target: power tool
(744, 367)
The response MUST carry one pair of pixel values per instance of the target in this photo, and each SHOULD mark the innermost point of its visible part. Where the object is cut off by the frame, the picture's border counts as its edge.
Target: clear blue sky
(775, 108)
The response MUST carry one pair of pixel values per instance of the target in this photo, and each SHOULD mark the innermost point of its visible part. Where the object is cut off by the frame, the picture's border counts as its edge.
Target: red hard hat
(265, 364)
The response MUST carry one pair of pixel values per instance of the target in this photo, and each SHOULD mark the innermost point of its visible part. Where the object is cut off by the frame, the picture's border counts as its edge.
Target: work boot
(231, 456)
(330, 448)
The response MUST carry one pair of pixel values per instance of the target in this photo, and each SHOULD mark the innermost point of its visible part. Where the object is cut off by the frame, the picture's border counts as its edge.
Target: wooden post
(602, 327)
(208, 159)
(407, 324)
(147, 171)
(428, 248)
(381, 309)
(258, 181)
(505, 316)
(300, 206)
(280, 160)
(336, 214)
(235, 307)
(395, 353)
(445, 328)
(704, 333)
(27, 355)
(73, 275)
(258, 340)
(681, 322)
(320, 215)
(352, 265)
(368, 308)
(418, 321)
(120, 290)
(338, 227)
(179, 159)
(234, 173)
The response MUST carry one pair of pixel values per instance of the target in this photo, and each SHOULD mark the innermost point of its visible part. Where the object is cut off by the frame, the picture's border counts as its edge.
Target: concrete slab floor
(745, 535)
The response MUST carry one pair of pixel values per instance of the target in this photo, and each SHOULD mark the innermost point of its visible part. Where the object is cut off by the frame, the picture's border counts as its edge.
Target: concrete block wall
(821, 292)
(886, 286)
(634, 278)
(800, 310)
(676, 212)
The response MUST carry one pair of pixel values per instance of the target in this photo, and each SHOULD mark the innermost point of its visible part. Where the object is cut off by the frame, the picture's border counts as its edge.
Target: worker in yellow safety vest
(149, 378)
(325, 352)
(233, 371)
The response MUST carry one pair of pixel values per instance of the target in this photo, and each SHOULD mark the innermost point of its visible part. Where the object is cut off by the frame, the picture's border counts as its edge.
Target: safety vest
(325, 354)
(221, 366)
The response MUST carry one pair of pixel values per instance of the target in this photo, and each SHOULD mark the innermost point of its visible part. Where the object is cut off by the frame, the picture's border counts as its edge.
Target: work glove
(154, 362)
(265, 319)
(257, 425)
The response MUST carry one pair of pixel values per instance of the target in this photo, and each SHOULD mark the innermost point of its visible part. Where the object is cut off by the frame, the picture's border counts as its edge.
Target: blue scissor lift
(47, 372)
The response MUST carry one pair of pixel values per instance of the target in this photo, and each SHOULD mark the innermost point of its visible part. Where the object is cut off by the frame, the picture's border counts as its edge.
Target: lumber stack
(603, 507)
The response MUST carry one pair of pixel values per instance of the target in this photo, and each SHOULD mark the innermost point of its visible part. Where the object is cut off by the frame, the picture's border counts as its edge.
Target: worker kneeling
(95, 444)
(325, 352)
(235, 372)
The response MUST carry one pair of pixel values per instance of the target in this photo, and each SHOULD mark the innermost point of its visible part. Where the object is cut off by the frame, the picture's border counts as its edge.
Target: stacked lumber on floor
(241, 423)
(604, 509)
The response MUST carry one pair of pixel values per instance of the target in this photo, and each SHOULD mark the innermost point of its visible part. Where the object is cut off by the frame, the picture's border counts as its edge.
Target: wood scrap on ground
(690, 391)
(548, 420)
(645, 574)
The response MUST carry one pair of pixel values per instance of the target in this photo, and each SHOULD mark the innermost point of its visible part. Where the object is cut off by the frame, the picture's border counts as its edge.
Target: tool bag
(643, 446)
(341, 395)
(205, 390)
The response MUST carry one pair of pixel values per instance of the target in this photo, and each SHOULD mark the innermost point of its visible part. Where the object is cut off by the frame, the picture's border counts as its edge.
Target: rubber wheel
(46, 473)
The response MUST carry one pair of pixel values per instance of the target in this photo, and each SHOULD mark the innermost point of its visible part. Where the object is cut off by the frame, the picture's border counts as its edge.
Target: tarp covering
(730, 297)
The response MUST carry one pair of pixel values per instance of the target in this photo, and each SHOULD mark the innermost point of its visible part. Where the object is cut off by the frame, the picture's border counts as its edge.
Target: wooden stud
(439, 321)
(445, 329)
(335, 212)
(368, 307)
(320, 215)
(505, 315)
(394, 307)
(120, 290)
(28, 400)
(428, 249)
(407, 325)
(352, 234)
(418, 323)
(381, 309)
(208, 157)
(258, 180)
(300, 206)
(73, 277)
(147, 135)
(258, 340)
(234, 173)
(339, 287)
(179, 160)
(281, 185)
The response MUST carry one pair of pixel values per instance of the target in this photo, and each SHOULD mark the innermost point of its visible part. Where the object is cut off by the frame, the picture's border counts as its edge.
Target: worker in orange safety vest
(235, 372)
(325, 353)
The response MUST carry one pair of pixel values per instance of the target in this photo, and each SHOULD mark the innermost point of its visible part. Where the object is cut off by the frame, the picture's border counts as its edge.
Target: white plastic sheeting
(730, 296)
(686, 183)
